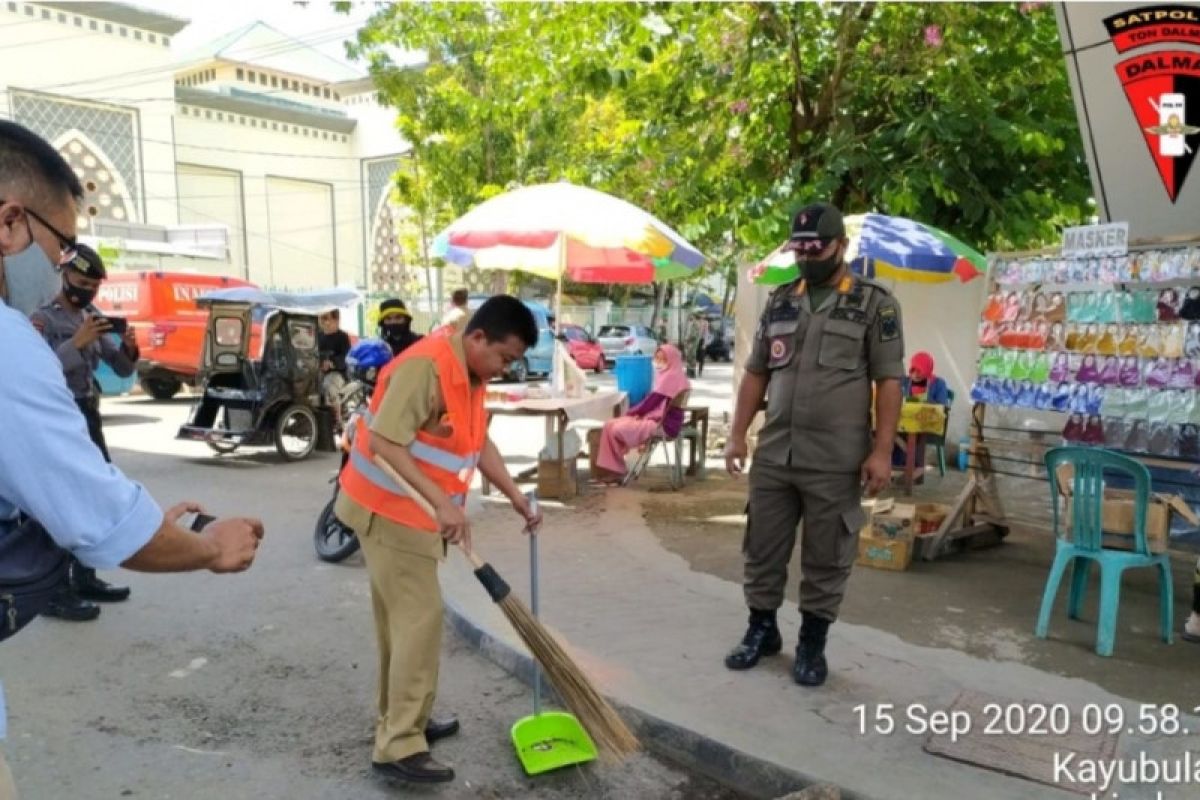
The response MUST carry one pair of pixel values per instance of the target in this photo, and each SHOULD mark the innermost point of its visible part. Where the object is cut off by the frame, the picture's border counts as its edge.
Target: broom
(612, 737)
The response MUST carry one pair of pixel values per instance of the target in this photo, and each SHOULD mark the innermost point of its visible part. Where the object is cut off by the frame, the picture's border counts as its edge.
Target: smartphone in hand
(117, 325)
(200, 521)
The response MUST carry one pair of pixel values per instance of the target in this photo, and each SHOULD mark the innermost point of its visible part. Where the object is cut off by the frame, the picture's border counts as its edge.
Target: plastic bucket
(635, 376)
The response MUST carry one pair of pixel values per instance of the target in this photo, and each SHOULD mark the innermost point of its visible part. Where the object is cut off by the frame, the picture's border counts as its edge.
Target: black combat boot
(810, 668)
(88, 586)
(71, 607)
(762, 639)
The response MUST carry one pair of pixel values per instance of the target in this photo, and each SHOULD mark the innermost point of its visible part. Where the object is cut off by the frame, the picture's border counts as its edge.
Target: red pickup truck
(161, 308)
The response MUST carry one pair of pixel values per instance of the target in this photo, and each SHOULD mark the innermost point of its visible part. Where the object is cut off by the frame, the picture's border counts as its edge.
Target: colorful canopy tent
(559, 230)
(889, 247)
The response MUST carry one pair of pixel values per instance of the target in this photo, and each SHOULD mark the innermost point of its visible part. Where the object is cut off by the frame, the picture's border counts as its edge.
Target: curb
(710, 757)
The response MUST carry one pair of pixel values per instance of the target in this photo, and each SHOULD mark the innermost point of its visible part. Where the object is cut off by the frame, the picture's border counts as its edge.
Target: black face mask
(818, 271)
(396, 332)
(80, 298)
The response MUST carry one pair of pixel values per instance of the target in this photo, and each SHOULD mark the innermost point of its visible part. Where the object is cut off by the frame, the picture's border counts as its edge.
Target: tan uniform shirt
(413, 402)
(822, 364)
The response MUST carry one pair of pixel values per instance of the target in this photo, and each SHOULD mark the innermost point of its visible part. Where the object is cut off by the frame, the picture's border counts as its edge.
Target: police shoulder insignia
(889, 324)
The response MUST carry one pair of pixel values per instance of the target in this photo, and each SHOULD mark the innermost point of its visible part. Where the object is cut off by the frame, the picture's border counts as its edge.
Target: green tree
(720, 119)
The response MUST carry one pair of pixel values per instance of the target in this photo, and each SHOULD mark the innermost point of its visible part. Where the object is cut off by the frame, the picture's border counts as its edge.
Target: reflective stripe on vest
(368, 469)
(442, 459)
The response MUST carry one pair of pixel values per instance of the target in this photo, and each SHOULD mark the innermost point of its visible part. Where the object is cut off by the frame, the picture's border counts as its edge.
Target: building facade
(255, 156)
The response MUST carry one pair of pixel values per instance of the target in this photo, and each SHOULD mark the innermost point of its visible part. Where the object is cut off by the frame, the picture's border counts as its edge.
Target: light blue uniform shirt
(49, 467)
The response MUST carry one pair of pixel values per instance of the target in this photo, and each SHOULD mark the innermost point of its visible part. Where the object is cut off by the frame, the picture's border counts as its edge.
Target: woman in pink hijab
(635, 428)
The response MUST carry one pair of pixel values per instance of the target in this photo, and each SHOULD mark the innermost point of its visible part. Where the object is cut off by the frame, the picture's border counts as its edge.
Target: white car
(619, 340)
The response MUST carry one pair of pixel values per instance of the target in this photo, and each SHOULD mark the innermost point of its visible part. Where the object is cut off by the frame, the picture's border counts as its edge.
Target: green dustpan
(548, 740)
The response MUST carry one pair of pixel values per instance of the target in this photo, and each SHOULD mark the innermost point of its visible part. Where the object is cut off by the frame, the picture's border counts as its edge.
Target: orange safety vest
(448, 461)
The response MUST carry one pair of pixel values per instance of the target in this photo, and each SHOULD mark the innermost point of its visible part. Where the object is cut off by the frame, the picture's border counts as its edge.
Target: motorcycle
(333, 539)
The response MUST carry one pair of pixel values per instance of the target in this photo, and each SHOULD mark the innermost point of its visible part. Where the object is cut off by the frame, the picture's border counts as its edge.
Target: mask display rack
(1102, 351)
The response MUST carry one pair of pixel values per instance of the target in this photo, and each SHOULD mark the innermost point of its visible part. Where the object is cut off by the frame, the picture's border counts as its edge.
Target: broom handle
(533, 600)
(420, 500)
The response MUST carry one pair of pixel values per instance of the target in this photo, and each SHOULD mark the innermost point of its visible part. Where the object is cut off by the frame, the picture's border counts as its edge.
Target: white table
(558, 413)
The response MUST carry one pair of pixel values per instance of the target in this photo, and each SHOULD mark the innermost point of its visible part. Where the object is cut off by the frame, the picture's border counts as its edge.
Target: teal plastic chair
(938, 443)
(1086, 543)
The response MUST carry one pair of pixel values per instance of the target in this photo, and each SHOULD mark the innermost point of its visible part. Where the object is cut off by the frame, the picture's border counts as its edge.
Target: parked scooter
(334, 540)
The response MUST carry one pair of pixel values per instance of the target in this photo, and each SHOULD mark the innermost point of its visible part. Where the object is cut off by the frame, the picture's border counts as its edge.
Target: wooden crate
(556, 479)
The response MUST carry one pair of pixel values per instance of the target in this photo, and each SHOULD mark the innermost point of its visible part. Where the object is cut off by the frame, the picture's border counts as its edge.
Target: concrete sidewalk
(653, 633)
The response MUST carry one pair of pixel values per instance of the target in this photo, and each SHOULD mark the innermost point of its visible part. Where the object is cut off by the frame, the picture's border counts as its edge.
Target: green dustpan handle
(533, 600)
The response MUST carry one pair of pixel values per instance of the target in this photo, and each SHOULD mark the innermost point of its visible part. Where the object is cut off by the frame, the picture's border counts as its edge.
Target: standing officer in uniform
(427, 421)
(78, 335)
(823, 343)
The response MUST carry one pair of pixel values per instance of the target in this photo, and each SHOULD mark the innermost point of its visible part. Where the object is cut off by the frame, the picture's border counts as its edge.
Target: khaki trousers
(830, 505)
(8, 789)
(407, 603)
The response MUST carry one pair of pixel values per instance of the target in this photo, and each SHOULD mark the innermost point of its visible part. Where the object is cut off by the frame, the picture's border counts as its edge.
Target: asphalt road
(259, 685)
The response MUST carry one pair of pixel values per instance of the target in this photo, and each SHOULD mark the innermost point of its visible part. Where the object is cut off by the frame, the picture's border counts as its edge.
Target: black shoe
(417, 768)
(810, 668)
(762, 639)
(71, 607)
(87, 585)
(440, 728)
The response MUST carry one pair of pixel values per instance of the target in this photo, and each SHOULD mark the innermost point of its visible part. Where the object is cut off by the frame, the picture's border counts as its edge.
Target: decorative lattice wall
(100, 142)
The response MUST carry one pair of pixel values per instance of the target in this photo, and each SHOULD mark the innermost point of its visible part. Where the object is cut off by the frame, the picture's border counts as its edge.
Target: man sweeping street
(824, 342)
(427, 421)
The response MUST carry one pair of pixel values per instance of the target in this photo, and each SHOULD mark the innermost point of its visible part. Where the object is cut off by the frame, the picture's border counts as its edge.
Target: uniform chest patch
(889, 325)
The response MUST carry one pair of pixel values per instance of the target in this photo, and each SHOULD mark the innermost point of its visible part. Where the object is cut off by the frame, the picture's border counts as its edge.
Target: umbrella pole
(558, 382)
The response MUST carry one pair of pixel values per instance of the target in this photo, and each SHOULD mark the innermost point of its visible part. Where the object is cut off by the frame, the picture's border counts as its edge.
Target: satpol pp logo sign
(1163, 86)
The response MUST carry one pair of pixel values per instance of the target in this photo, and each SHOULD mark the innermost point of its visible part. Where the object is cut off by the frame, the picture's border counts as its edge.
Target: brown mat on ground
(1024, 755)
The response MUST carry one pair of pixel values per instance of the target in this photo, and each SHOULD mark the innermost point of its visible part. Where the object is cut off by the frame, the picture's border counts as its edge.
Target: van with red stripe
(161, 309)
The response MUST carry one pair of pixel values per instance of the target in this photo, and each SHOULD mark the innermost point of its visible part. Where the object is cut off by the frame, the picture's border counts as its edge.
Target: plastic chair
(660, 438)
(1086, 542)
(939, 442)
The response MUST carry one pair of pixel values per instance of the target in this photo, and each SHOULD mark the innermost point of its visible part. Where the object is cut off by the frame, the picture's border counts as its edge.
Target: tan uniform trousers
(830, 505)
(407, 601)
(8, 789)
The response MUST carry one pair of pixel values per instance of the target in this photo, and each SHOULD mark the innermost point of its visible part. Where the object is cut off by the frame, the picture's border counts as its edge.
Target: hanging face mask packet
(1061, 399)
(1167, 307)
(1115, 432)
(1044, 397)
(1131, 372)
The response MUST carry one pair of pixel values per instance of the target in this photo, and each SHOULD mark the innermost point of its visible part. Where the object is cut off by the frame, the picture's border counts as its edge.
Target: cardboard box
(557, 479)
(1117, 515)
(883, 553)
(886, 541)
(897, 522)
(929, 517)
(1116, 519)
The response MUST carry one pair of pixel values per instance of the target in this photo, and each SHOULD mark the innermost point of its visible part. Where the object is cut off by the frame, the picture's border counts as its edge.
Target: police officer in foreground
(78, 335)
(824, 342)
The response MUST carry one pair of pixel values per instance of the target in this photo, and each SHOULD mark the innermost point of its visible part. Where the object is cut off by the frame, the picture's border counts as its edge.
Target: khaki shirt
(822, 365)
(413, 402)
(57, 323)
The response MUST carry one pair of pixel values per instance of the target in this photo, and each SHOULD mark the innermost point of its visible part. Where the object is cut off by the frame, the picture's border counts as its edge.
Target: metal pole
(533, 601)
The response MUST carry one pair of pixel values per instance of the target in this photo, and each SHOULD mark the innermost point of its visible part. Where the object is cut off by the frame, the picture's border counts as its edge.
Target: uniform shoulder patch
(784, 291)
(889, 324)
(876, 285)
